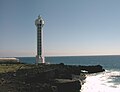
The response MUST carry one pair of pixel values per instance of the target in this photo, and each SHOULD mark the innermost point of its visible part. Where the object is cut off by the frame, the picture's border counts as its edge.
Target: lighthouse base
(39, 59)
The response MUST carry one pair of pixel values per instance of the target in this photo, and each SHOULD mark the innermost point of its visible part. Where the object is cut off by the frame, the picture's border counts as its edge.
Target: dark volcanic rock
(65, 71)
(66, 85)
(92, 69)
(44, 77)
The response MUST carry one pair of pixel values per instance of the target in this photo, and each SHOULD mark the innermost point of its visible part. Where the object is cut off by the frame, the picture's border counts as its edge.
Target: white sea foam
(108, 81)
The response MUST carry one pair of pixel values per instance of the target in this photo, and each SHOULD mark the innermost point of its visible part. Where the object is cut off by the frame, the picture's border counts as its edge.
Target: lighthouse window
(38, 27)
(37, 24)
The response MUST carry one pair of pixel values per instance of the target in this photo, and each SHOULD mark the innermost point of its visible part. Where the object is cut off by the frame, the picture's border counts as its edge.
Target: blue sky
(72, 27)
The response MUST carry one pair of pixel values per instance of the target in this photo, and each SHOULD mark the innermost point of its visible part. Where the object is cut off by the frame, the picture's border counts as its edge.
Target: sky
(72, 27)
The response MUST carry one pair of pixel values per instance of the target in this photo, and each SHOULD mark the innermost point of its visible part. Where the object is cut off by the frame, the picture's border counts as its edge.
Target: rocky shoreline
(43, 77)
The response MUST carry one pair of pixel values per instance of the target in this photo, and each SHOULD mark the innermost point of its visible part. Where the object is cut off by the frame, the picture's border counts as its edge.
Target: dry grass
(4, 68)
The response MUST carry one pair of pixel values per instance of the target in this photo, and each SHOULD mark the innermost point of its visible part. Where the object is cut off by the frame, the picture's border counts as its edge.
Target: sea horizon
(66, 55)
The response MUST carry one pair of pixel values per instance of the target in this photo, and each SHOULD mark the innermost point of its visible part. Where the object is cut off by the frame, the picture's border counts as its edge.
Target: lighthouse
(39, 22)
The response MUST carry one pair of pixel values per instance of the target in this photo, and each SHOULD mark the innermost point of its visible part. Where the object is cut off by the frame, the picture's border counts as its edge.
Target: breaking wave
(108, 81)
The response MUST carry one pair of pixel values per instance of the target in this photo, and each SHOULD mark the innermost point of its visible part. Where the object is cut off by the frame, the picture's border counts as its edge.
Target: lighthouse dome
(39, 21)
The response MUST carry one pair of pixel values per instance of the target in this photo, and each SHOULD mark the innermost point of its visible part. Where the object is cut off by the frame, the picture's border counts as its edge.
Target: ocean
(107, 81)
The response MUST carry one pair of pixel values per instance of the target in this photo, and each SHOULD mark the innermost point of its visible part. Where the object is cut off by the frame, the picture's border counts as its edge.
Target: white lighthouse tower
(39, 24)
